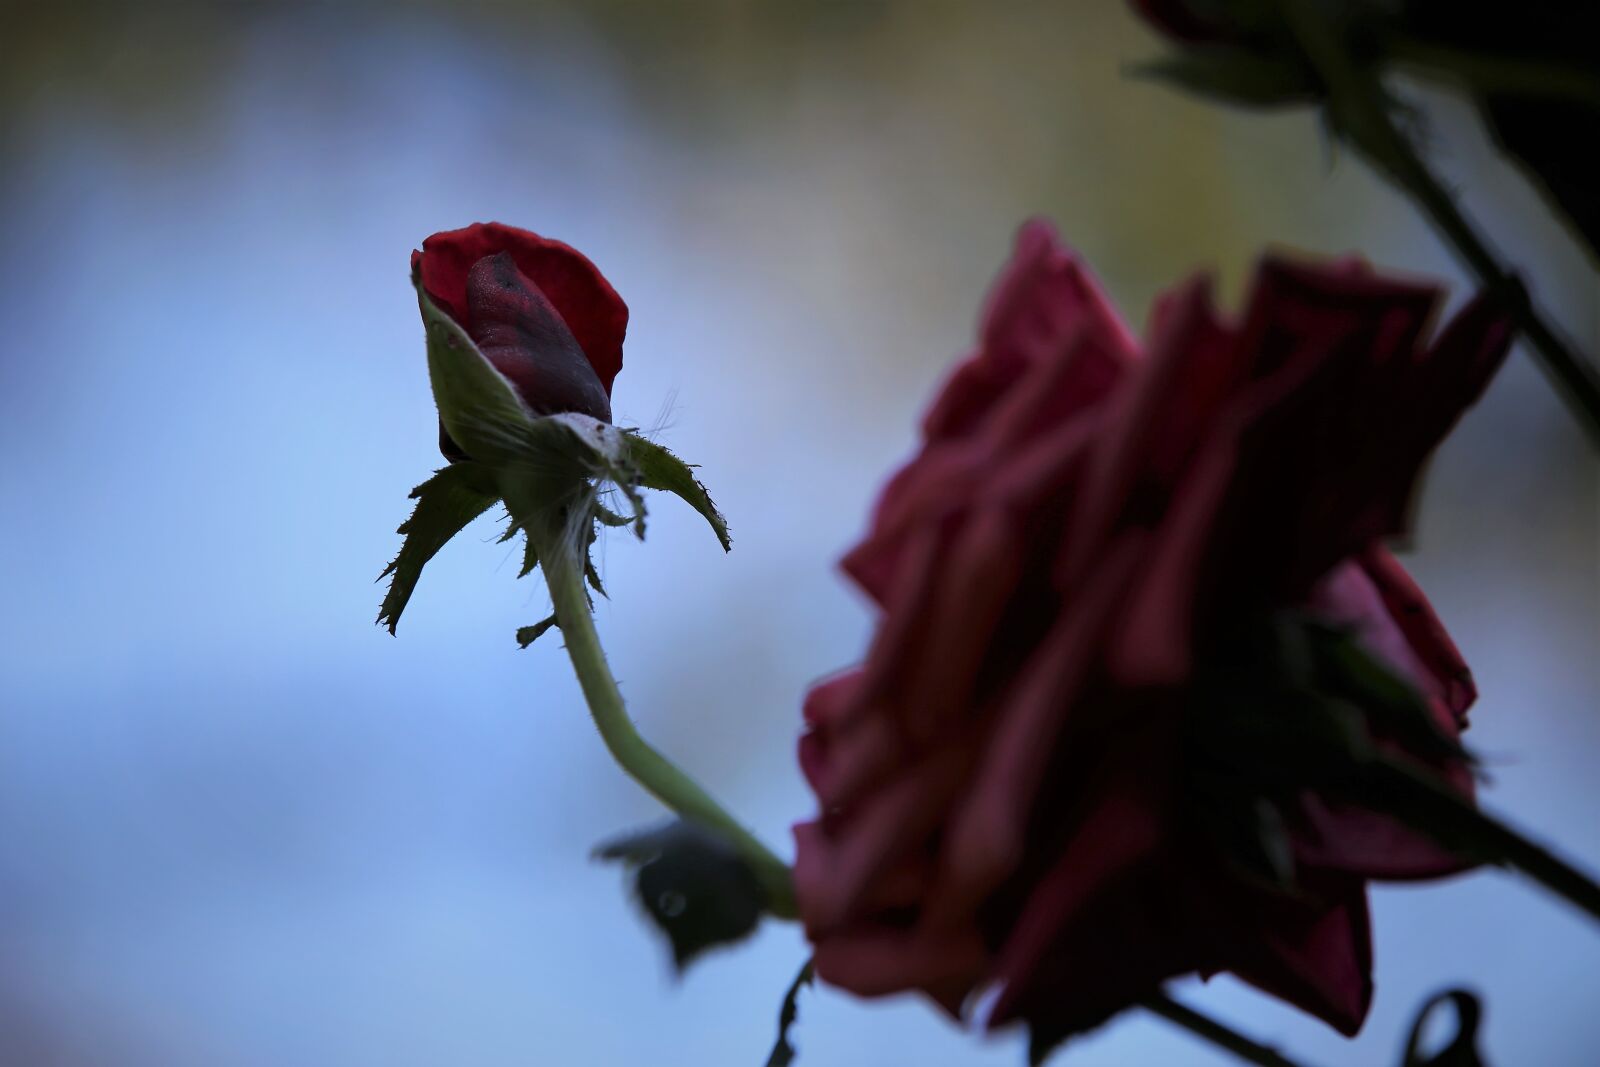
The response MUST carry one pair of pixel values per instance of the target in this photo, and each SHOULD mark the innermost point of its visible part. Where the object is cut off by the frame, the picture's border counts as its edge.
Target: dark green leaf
(660, 469)
(1462, 1049)
(693, 884)
(446, 503)
(782, 1051)
(1239, 76)
(527, 635)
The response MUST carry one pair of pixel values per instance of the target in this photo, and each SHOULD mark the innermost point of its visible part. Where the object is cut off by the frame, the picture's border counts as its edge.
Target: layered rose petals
(1001, 782)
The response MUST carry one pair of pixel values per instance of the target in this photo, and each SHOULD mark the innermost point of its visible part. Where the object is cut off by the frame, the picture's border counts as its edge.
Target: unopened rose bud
(540, 312)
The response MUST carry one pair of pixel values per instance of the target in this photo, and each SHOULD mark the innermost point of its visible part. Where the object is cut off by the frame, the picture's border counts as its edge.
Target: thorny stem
(1359, 108)
(658, 775)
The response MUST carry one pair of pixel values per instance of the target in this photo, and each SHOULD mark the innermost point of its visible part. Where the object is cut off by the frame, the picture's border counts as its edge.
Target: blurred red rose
(538, 310)
(1002, 784)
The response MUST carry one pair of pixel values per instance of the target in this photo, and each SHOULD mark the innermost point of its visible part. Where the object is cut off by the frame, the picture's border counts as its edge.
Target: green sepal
(446, 503)
(527, 635)
(477, 404)
(693, 884)
(659, 469)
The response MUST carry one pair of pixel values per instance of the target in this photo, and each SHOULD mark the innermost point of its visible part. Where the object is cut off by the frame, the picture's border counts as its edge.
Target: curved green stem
(1360, 110)
(1207, 1028)
(658, 775)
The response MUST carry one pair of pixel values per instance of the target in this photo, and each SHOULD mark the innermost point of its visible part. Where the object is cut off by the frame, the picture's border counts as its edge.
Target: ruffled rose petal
(1318, 958)
(879, 960)
(1043, 297)
(1102, 927)
(842, 862)
(1425, 635)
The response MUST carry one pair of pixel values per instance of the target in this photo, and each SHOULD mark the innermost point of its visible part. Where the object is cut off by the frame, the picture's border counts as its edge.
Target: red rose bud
(1008, 785)
(538, 310)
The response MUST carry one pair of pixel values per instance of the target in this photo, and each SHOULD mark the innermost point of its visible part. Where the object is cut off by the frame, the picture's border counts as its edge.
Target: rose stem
(657, 774)
(1481, 835)
(1358, 108)
(1205, 1027)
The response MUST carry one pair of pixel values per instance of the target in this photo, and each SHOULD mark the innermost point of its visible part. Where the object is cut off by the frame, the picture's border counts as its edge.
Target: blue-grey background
(241, 826)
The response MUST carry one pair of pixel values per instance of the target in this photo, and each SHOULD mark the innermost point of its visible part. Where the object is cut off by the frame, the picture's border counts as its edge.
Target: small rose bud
(540, 312)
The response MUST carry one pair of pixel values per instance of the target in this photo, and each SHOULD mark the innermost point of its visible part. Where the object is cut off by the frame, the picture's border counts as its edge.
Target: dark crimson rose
(538, 310)
(1005, 783)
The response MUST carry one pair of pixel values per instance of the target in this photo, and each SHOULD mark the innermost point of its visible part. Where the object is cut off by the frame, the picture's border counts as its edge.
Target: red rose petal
(1319, 960)
(577, 290)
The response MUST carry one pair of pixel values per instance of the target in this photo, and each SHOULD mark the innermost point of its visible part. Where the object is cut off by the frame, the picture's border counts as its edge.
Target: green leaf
(693, 884)
(660, 469)
(1462, 1049)
(1239, 76)
(446, 503)
(527, 635)
(782, 1051)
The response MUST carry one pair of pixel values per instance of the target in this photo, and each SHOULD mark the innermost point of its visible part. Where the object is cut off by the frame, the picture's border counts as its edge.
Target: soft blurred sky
(242, 826)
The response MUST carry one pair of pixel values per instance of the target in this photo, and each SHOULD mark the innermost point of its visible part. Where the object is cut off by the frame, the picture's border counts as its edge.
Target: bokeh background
(240, 826)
